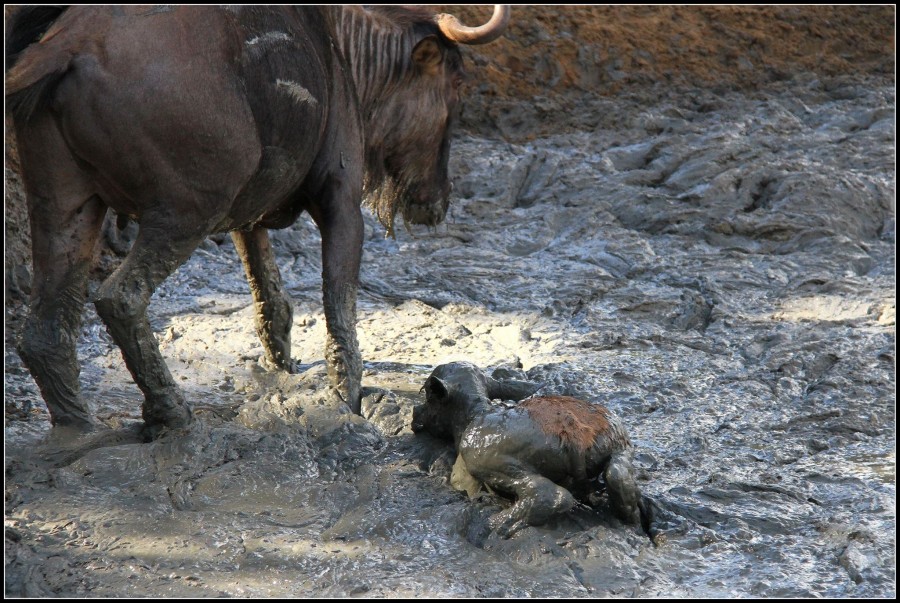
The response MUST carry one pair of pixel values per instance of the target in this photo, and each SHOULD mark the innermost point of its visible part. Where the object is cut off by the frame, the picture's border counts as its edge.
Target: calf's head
(454, 392)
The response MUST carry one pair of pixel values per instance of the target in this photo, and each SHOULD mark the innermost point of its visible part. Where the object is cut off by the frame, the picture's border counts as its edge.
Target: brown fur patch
(576, 422)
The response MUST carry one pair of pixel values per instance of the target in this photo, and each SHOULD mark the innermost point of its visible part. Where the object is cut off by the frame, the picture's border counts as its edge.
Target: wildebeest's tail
(25, 26)
(32, 69)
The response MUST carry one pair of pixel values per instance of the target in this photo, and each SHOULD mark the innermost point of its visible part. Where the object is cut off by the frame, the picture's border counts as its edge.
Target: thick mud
(685, 214)
(717, 269)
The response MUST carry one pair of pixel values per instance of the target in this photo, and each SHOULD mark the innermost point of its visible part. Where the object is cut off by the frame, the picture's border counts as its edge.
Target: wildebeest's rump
(546, 451)
(201, 119)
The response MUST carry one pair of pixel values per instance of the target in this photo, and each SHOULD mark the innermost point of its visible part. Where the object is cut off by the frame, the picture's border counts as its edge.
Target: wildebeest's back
(575, 422)
(501, 446)
(149, 99)
(588, 431)
(286, 66)
(561, 438)
(225, 107)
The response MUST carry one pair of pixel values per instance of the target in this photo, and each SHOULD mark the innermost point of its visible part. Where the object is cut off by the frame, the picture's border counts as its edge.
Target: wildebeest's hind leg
(274, 315)
(66, 218)
(624, 494)
(122, 302)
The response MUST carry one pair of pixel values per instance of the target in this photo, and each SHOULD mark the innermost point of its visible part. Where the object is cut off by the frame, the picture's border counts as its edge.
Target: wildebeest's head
(410, 101)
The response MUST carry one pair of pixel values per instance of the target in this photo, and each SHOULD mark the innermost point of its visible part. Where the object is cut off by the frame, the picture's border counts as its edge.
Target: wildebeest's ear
(436, 390)
(427, 54)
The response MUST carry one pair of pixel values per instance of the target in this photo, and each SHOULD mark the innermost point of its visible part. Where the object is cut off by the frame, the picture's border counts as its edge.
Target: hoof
(505, 526)
(339, 400)
(290, 366)
(75, 424)
(67, 433)
(154, 431)
(166, 412)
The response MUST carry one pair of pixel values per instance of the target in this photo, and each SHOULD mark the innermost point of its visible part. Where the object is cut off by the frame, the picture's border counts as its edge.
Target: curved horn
(455, 31)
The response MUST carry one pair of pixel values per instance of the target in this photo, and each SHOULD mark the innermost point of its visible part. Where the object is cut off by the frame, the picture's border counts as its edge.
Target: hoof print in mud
(548, 452)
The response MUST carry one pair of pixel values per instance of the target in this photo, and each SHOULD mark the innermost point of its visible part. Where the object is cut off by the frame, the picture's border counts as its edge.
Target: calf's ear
(511, 389)
(436, 390)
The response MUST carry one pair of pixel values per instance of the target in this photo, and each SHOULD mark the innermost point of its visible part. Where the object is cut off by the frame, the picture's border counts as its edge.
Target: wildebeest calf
(546, 451)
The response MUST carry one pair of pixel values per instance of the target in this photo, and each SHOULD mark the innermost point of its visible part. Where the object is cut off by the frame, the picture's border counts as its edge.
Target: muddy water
(717, 269)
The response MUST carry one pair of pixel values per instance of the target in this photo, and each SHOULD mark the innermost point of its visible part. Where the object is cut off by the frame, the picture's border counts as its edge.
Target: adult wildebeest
(198, 119)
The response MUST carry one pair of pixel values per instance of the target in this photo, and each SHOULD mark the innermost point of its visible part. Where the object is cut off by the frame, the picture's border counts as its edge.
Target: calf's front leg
(537, 500)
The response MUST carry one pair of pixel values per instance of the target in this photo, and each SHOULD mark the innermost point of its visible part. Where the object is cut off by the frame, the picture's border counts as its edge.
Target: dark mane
(404, 16)
(378, 43)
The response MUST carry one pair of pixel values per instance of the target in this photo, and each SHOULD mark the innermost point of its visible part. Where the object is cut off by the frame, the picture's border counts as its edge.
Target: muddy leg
(122, 302)
(538, 500)
(274, 315)
(66, 219)
(624, 494)
(342, 232)
(47, 344)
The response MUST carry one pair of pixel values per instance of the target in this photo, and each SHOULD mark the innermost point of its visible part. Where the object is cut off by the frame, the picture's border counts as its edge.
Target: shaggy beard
(386, 198)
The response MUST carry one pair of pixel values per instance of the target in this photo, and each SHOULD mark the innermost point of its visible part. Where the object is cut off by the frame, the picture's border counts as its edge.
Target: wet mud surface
(717, 269)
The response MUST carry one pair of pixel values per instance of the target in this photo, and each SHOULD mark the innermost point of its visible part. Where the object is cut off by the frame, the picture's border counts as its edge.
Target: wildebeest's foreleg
(341, 226)
(66, 218)
(274, 314)
(538, 500)
(122, 302)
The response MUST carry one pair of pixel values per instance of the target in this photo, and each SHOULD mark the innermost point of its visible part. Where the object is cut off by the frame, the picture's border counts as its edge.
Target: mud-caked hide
(546, 451)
